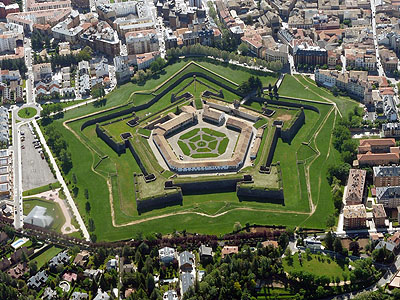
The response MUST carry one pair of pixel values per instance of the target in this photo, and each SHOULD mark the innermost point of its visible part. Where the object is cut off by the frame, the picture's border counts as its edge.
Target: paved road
(30, 96)
(17, 167)
(378, 59)
(60, 178)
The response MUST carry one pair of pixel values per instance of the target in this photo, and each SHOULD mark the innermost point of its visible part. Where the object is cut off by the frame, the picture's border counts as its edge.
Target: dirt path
(206, 215)
(67, 227)
(312, 205)
(311, 91)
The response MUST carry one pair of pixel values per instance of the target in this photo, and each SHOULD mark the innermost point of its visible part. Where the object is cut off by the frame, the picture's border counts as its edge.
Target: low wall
(159, 201)
(117, 147)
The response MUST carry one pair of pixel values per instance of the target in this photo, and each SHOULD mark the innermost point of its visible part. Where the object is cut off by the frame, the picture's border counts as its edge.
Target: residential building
(8, 9)
(35, 282)
(122, 70)
(143, 61)
(61, 258)
(389, 60)
(379, 214)
(81, 259)
(4, 128)
(17, 254)
(166, 255)
(355, 187)
(187, 280)
(69, 29)
(387, 245)
(389, 108)
(79, 296)
(36, 5)
(391, 129)
(139, 42)
(205, 253)
(101, 295)
(376, 145)
(38, 19)
(186, 261)
(355, 83)
(395, 239)
(374, 152)
(42, 72)
(273, 51)
(389, 196)
(12, 36)
(229, 250)
(112, 264)
(386, 176)
(309, 55)
(355, 216)
(170, 295)
(102, 37)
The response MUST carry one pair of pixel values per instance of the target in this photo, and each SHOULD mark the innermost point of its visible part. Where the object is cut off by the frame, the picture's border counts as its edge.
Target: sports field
(109, 177)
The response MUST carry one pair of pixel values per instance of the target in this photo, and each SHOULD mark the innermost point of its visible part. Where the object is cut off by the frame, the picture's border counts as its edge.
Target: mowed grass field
(299, 86)
(318, 265)
(86, 150)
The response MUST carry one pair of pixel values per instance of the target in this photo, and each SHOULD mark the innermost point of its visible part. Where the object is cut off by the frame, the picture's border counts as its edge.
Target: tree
(354, 247)
(74, 180)
(86, 193)
(283, 240)
(337, 245)
(33, 268)
(92, 227)
(237, 226)
(87, 207)
(330, 221)
(329, 240)
(243, 49)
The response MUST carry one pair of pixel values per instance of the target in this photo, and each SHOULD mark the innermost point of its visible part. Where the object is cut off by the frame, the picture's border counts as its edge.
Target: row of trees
(59, 147)
(201, 50)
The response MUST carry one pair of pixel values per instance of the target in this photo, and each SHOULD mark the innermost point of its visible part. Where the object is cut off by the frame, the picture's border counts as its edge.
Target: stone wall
(159, 201)
(117, 147)
(258, 194)
(199, 186)
(289, 133)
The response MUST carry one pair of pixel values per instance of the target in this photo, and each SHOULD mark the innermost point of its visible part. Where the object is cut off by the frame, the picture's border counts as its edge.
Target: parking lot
(35, 170)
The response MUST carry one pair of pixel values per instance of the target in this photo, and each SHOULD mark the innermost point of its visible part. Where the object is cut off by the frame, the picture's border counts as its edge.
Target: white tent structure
(38, 217)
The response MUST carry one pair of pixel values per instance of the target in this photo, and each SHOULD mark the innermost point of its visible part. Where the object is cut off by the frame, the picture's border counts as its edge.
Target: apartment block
(379, 215)
(355, 191)
(355, 216)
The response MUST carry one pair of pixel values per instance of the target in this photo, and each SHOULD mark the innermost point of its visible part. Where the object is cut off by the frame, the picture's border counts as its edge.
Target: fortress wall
(117, 147)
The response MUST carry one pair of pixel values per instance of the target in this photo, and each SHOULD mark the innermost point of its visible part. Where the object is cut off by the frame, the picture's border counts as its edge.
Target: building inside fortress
(243, 137)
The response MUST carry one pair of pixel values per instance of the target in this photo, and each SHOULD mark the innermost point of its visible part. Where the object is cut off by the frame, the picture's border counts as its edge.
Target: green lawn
(27, 112)
(318, 265)
(47, 255)
(53, 210)
(185, 149)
